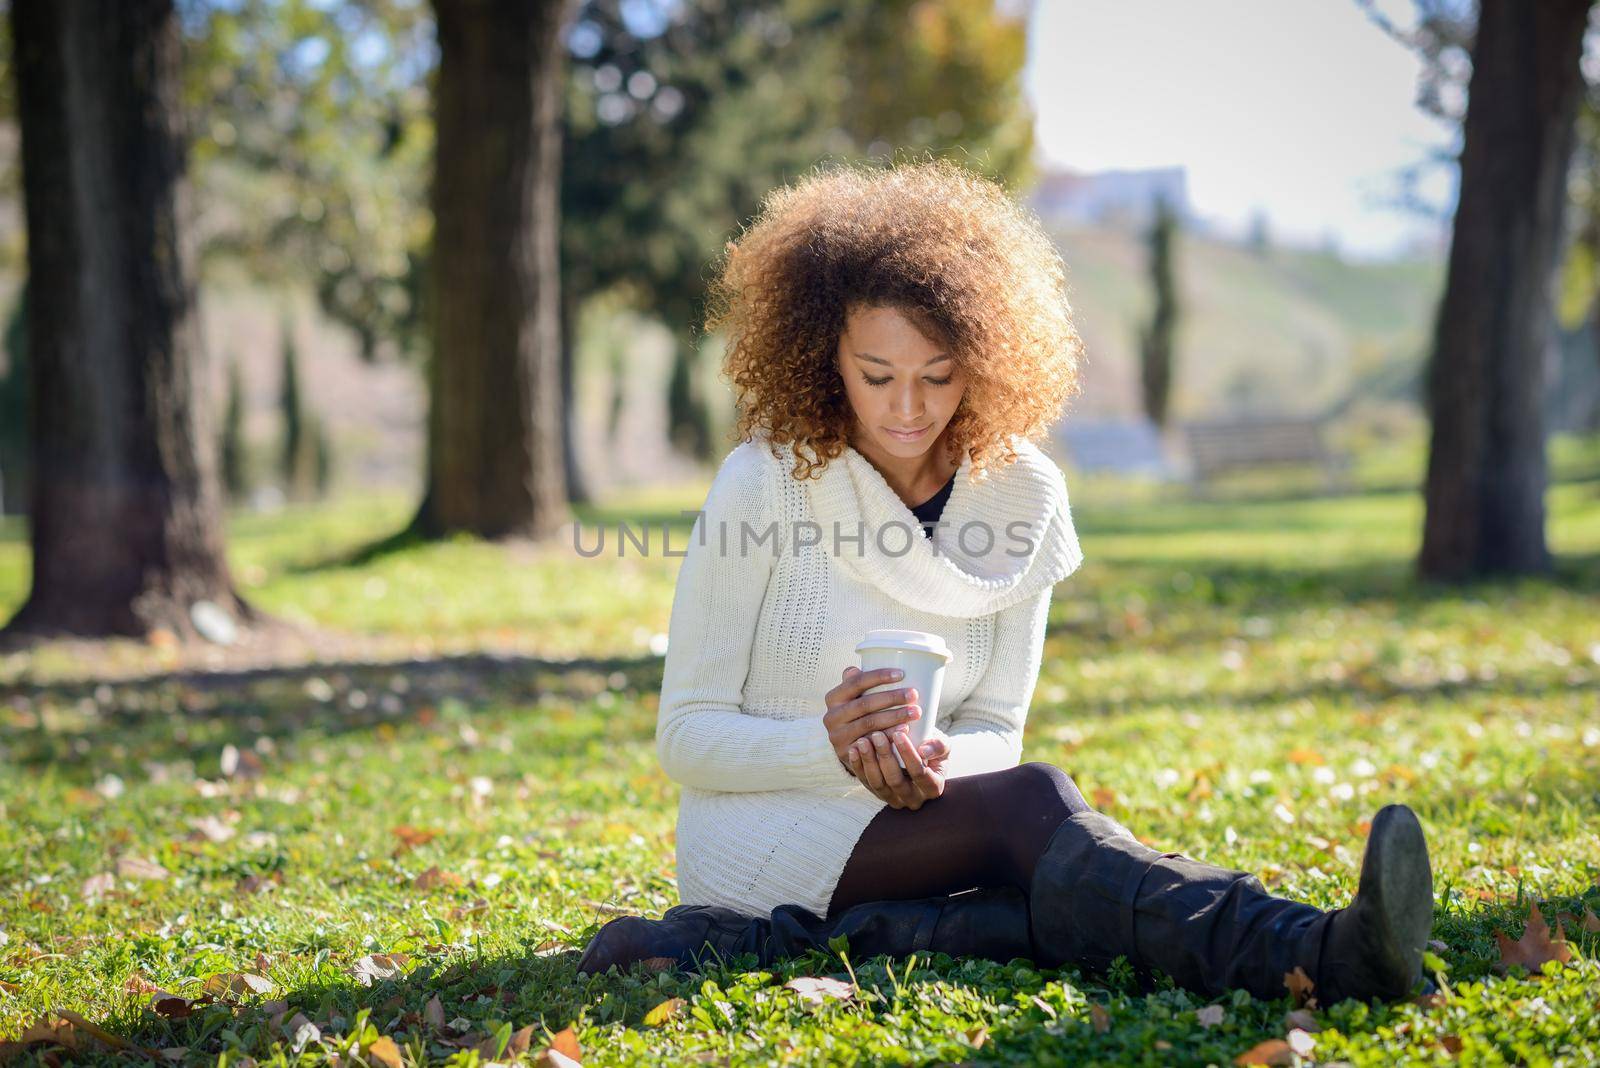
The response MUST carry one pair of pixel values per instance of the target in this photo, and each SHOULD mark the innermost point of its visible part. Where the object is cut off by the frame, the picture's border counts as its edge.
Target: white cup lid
(919, 640)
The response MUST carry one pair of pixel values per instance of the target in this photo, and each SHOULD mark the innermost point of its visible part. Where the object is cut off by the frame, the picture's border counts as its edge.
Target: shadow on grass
(589, 517)
(84, 729)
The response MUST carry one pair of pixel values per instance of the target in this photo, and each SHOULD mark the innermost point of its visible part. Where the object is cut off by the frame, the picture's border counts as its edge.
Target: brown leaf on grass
(10, 987)
(433, 878)
(1100, 1019)
(1588, 922)
(977, 1037)
(1103, 797)
(1429, 1002)
(411, 837)
(89, 1027)
(383, 1051)
(1300, 986)
(463, 911)
(656, 965)
(1273, 1051)
(375, 966)
(131, 867)
(1304, 1019)
(236, 984)
(209, 829)
(172, 1006)
(1534, 947)
(433, 1013)
(45, 1030)
(664, 1012)
(1451, 1044)
(563, 1051)
(1210, 1016)
(817, 990)
(251, 884)
(97, 886)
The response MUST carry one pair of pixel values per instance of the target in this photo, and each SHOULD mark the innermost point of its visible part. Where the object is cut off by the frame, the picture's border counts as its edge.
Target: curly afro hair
(949, 249)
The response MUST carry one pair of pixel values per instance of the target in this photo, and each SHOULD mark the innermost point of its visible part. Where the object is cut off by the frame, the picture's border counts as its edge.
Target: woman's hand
(872, 760)
(853, 714)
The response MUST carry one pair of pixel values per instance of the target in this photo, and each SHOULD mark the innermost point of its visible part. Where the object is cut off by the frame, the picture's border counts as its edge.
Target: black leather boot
(979, 923)
(1099, 893)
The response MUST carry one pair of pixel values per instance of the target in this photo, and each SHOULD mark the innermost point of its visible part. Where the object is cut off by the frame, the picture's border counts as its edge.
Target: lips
(906, 433)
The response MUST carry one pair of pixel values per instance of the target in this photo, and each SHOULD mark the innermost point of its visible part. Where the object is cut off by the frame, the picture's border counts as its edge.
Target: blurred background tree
(1158, 336)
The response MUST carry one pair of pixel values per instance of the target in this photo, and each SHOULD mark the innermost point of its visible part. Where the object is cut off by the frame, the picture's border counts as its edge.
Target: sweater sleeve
(704, 738)
(985, 730)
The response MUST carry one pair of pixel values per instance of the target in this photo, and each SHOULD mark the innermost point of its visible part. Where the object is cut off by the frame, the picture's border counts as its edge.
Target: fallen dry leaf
(1304, 1019)
(563, 1051)
(172, 1006)
(1429, 1002)
(1588, 922)
(818, 990)
(131, 867)
(237, 984)
(1451, 1044)
(1103, 797)
(411, 837)
(433, 1013)
(87, 1026)
(96, 886)
(1535, 947)
(664, 1012)
(377, 966)
(433, 878)
(383, 1051)
(209, 829)
(1210, 1016)
(977, 1037)
(1100, 1018)
(655, 965)
(1272, 1051)
(1300, 987)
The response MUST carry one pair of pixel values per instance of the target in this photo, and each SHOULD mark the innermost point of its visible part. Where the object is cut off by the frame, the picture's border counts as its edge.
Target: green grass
(1243, 681)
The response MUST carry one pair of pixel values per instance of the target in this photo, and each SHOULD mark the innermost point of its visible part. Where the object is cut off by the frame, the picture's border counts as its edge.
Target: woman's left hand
(872, 760)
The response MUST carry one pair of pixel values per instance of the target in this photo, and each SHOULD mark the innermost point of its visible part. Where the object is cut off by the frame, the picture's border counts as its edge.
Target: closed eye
(869, 380)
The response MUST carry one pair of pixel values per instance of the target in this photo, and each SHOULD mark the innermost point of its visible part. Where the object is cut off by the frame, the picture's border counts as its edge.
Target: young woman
(898, 338)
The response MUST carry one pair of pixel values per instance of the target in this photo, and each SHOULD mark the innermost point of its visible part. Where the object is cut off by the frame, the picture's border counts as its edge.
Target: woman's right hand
(853, 713)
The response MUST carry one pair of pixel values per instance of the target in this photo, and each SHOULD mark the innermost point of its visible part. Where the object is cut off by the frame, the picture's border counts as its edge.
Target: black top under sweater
(929, 510)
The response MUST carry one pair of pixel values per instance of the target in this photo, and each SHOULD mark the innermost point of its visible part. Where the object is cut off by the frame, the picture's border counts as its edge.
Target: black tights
(984, 831)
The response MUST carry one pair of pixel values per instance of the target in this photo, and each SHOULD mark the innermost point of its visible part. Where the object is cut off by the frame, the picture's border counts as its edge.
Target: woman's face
(897, 379)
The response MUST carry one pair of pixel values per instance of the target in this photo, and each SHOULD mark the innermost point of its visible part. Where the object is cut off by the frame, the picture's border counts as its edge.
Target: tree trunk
(577, 485)
(1486, 466)
(495, 464)
(126, 512)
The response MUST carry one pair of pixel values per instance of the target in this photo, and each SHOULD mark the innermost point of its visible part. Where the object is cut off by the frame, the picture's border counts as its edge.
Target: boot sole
(1396, 873)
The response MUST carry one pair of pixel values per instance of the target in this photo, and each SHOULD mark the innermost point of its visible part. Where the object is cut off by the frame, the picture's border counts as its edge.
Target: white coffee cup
(922, 656)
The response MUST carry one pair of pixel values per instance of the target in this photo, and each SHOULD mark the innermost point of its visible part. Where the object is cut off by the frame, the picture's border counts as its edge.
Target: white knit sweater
(762, 628)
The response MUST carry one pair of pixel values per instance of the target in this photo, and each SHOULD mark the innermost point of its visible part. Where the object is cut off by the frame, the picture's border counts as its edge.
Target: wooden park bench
(1219, 447)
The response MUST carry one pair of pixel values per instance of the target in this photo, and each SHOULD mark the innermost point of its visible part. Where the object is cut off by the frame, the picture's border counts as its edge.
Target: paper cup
(922, 656)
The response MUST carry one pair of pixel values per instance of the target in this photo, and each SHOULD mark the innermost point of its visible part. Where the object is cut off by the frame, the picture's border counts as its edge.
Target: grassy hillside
(1283, 331)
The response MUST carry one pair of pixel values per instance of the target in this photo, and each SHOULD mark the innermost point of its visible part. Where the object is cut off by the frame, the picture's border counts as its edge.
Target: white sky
(1301, 107)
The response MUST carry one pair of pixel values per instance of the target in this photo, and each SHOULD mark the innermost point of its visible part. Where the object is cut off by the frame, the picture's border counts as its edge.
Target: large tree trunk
(495, 464)
(126, 513)
(1486, 468)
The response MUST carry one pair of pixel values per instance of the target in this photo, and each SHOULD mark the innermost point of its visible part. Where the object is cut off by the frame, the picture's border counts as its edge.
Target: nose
(908, 404)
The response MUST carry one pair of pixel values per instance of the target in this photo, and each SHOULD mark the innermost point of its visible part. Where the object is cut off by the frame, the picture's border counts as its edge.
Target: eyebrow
(886, 363)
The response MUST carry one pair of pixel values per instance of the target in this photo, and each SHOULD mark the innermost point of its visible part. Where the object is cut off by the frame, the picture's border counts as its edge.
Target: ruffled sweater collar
(1001, 540)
